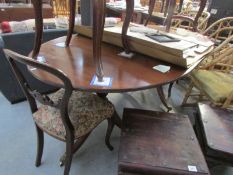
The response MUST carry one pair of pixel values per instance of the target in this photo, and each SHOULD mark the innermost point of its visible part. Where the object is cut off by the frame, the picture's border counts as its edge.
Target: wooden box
(156, 143)
(214, 128)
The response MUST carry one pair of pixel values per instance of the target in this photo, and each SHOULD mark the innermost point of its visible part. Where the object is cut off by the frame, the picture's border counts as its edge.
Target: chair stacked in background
(213, 78)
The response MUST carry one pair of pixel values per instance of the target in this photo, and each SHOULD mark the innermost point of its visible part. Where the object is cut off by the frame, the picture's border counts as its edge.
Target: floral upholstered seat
(86, 111)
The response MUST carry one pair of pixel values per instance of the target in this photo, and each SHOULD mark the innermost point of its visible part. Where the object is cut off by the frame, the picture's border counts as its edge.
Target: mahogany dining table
(77, 62)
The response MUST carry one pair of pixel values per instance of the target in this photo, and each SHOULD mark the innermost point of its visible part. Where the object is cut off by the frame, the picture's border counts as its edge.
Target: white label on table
(41, 59)
(126, 55)
(62, 45)
(192, 168)
(107, 81)
(162, 68)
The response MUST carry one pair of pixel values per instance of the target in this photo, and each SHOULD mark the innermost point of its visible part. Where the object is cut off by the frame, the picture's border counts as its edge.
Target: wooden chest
(214, 128)
(156, 143)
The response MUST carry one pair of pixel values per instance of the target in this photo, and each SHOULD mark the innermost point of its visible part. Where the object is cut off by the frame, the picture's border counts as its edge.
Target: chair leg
(187, 94)
(109, 132)
(69, 155)
(117, 120)
(40, 145)
(162, 97)
(79, 142)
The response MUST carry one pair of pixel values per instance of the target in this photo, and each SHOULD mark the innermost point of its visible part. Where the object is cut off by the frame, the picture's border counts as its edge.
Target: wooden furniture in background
(156, 143)
(194, 20)
(218, 62)
(214, 80)
(219, 32)
(66, 115)
(214, 127)
(61, 8)
(19, 12)
(202, 21)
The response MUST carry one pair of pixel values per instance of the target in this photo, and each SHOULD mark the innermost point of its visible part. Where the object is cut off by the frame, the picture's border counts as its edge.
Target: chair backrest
(193, 22)
(33, 95)
(221, 29)
(187, 21)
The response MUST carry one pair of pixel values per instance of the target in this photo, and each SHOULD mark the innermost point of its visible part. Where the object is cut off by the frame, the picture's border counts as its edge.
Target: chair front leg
(117, 120)
(69, 154)
(79, 142)
(109, 132)
(188, 93)
(40, 145)
(228, 101)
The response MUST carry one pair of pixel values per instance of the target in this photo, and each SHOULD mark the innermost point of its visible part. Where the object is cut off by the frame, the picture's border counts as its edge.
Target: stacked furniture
(213, 78)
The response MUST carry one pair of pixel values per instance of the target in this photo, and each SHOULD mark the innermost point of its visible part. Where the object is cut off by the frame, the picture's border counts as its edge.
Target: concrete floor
(18, 139)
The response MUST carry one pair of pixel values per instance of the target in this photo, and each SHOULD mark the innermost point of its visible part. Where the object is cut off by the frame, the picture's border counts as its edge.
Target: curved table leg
(98, 27)
(129, 13)
(37, 4)
(199, 13)
(162, 6)
(162, 97)
(171, 8)
(72, 4)
(150, 11)
(166, 7)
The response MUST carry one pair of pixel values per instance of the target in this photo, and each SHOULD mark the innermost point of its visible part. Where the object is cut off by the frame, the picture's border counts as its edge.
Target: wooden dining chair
(66, 115)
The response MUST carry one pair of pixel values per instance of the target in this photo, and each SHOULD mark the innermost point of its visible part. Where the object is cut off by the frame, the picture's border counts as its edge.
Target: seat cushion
(217, 85)
(86, 111)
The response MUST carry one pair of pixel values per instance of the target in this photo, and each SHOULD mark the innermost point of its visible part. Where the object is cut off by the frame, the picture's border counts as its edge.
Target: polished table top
(76, 61)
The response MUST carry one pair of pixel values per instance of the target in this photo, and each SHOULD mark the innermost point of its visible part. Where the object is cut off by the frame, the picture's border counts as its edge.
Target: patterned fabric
(86, 111)
(217, 85)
